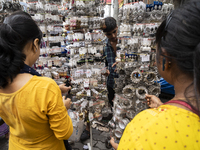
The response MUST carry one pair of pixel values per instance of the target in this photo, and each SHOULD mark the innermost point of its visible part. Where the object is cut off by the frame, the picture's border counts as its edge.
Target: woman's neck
(184, 90)
(18, 82)
(183, 85)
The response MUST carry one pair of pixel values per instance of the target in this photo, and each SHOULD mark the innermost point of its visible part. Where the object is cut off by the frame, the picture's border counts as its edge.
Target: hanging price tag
(145, 57)
(88, 73)
(81, 71)
(86, 83)
(91, 104)
(88, 93)
(77, 73)
(91, 117)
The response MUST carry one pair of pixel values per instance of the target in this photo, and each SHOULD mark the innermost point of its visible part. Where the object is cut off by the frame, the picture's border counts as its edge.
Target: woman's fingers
(63, 98)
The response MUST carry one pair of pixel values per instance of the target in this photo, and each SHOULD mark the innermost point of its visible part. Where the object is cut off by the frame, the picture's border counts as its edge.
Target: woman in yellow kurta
(32, 106)
(167, 127)
(175, 125)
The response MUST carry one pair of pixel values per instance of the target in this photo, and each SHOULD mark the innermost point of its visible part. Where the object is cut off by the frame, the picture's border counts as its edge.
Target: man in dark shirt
(109, 52)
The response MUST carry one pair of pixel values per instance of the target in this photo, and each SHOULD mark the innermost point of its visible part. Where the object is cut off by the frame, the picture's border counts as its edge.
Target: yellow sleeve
(59, 120)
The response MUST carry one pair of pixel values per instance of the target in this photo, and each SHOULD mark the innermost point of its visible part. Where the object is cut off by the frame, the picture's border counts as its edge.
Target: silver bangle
(140, 105)
(150, 78)
(130, 114)
(128, 91)
(154, 90)
(123, 123)
(134, 78)
(141, 91)
(118, 132)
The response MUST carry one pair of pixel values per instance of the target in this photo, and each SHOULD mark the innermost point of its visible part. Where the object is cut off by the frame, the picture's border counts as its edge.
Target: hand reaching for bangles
(112, 142)
(64, 89)
(153, 101)
(67, 102)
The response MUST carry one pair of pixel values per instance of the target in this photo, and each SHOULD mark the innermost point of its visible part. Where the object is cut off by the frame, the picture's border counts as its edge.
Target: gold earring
(169, 64)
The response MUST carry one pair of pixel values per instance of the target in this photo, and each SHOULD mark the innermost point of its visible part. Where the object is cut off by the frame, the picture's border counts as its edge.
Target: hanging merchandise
(71, 52)
(135, 60)
(85, 42)
(53, 60)
(8, 7)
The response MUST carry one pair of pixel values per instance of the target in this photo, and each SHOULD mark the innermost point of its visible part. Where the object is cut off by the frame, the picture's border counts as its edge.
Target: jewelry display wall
(85, 43)
(53, 61)
(138, 74)
(8, 7)
(80, 60)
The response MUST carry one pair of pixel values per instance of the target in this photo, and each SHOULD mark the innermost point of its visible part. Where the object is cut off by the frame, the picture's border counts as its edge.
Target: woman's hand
(153, 101)
(107, 73)
(112, 142)
(64, 89)
(67, 102)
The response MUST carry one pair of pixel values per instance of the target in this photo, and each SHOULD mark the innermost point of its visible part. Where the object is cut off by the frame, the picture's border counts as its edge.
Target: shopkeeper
(109, 53)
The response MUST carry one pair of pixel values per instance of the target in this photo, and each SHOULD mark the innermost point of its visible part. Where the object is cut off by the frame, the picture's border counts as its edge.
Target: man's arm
(106, 63)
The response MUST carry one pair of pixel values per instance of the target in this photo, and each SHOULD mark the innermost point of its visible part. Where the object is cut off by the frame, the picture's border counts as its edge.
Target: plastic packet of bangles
(130, 114)
(102, 89)
(127, 80)
(123, 123)
(128, 91)
(129, 67)
(138, 30)
(118, 81)
(59, 81)
(153, 60)
(140, 105)
(47, 72)
(144, 66)
(74, 115)
(150, 77)
(95, 93)
(93, 82)
(77, 104)
(74, 90)
(57, 61)
(118, 90)
(103, 70)
(55, 73)
(84, 104)
(81, 94)
(145, 45)
(167, 8)
(77, 73)
(124, 101)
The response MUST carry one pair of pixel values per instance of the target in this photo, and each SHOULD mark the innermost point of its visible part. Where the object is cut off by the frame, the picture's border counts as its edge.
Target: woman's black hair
(110, 24)
(179, 35)
(15, 32)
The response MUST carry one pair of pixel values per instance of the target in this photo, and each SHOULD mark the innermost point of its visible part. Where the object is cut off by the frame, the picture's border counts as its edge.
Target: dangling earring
(169, 64)
(163, 65)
